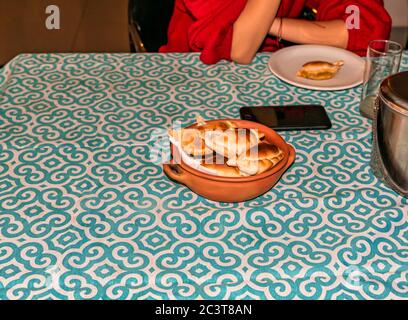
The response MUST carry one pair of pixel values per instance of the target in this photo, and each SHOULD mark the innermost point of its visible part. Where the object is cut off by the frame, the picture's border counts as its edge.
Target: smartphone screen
(306, 117)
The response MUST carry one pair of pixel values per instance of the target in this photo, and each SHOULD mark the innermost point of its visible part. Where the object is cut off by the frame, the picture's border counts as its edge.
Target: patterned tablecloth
(85, 213)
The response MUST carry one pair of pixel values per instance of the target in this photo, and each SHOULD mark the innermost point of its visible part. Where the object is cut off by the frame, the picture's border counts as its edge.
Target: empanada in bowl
(223, 170)
(191, 142)
(232, 142)
(258, 159)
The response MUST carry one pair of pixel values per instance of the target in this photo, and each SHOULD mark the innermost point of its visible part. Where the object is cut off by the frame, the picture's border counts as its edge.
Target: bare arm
(251, 28)
(333, 33)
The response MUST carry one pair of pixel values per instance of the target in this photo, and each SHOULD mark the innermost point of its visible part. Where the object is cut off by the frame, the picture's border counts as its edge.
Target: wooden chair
(85, 26)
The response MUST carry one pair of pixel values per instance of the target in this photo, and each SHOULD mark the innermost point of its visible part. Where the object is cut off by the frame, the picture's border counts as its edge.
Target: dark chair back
(151, 19)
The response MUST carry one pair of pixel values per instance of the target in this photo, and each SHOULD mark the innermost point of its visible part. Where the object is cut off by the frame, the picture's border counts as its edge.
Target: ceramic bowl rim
(275, 170)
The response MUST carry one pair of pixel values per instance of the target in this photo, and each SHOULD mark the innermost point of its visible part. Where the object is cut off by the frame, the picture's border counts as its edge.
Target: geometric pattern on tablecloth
(84, 213)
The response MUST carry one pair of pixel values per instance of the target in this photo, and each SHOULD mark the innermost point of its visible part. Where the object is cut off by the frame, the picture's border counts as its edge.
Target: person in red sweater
(236, 29)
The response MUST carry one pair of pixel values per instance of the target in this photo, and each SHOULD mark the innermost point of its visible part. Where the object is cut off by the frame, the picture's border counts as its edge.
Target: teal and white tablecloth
(85, 213)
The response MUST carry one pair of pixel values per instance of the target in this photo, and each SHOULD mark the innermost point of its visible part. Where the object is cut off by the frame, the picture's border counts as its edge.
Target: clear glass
(383, 60)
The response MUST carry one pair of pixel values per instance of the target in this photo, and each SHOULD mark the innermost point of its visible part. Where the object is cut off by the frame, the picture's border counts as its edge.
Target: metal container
(390, 133)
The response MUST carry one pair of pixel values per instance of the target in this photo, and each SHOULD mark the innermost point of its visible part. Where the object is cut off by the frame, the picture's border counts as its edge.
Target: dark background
(152, 17)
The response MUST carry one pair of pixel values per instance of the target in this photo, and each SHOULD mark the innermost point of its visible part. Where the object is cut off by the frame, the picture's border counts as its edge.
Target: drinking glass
(383, 60)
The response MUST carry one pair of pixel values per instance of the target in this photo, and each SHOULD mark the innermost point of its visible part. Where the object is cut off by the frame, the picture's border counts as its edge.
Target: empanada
(232, 142)
(223, 170)
(191, 142)
(258, 159)
(320, 70)
(215, 125)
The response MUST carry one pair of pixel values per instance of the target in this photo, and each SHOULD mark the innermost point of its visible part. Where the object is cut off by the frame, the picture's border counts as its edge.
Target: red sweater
(206, 26)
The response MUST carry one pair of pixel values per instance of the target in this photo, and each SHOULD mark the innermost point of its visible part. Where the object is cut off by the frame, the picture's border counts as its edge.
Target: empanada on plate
(320, 70)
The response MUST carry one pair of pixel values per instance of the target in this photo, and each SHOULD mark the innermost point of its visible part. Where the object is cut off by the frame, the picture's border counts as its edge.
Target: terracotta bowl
(225, 189)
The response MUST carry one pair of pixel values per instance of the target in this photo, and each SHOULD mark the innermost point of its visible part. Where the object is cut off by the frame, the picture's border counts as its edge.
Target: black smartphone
(283, 118)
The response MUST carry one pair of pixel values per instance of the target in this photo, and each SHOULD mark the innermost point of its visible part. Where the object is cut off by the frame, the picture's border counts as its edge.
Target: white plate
(286, 62)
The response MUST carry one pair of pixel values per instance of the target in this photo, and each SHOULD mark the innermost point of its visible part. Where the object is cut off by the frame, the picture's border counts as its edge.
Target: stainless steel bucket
(390, 133)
